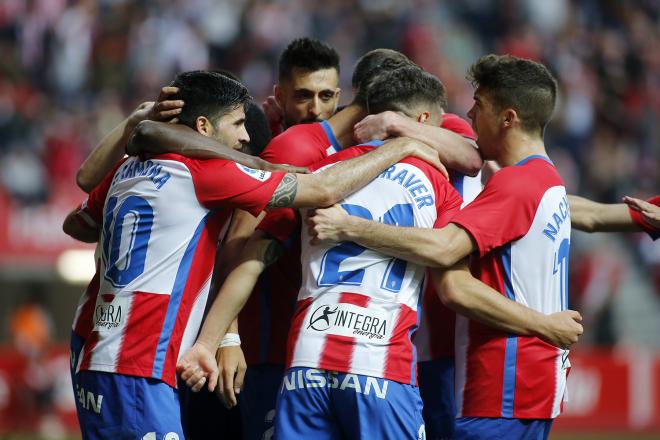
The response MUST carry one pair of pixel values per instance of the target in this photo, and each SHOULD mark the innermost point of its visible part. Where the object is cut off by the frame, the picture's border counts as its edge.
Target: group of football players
(385, 271)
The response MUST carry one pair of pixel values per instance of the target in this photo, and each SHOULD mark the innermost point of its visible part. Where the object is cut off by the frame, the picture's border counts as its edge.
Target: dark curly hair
(524, 85)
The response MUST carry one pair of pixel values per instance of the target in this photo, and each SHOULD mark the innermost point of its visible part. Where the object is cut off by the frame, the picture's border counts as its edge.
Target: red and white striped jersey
(521, 224)
(357, 309)
(435, 337)
(160, 219)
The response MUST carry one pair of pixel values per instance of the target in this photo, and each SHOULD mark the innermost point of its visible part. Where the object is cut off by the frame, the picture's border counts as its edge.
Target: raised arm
(456, 152)
(590, 216)
(429, 247)
(466, 295)
(338, 181)
(157, 138)
(113, 146)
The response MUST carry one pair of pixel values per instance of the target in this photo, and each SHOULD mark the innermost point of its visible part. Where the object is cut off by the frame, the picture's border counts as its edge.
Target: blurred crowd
(71, 69)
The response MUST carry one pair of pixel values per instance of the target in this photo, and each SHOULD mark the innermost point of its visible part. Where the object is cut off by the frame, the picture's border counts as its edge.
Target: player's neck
(342, 123)
(517, 145)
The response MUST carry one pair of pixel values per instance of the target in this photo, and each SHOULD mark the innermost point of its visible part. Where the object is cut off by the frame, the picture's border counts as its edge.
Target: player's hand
(562, 329)
(198, 366)
(166, 109)
(273, 111)
(649, 211)
(375, 126)
(326, 224)
(421, 151)
(232, 366)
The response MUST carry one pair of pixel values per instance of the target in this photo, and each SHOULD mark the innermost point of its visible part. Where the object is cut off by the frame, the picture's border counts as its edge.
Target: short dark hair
(307, 54)
(207, 94)
(404, 88)
(371, 64)
(257, 128)
(524, 85)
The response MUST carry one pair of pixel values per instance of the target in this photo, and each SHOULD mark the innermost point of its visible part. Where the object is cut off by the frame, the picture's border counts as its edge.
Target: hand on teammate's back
(197, 367)
(374, 126)
(562, 329)
(421, 151)
(325, 224)
(232, 367)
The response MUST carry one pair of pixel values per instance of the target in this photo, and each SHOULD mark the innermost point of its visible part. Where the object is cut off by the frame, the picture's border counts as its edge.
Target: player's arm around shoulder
(333, 184)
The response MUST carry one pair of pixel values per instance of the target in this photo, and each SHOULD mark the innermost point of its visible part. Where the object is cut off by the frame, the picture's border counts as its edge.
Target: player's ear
(423, 117)
(277, 91)
(204, 126)
(509, 118)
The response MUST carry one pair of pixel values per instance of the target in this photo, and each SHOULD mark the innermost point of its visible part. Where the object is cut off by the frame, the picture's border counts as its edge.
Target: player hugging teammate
(331, 298)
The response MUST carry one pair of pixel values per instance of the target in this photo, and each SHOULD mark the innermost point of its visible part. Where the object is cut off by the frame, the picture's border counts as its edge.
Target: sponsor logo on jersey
(109, 313)
(313, 378)
(259, 175)
(349, 320)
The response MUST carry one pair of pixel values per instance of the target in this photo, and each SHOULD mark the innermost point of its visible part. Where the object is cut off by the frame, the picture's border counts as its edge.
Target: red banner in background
(32, 235)
(615, 391)
(36, 395)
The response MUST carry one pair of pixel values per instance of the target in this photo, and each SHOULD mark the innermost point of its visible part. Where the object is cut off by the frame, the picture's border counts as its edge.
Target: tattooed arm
(335, 183)
(199, 361)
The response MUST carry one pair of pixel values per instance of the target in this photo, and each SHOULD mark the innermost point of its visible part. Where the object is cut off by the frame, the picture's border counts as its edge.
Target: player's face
(484, 123)
(230, 129)
(308, 96)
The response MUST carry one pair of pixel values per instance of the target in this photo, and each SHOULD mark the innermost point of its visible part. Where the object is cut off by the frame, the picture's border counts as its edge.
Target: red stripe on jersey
(484, 370)
(536, 363)
(296, 325)
(337, 353)
(399, 361)
(199, 273)
(485, 356)
(88, 349)
(442, 321)
(84, 323)
(138, 345)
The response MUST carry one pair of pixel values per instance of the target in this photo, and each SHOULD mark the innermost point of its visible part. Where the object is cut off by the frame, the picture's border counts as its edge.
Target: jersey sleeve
(448, 207)
(502, 212)
(220, 183)
(300, 145)
(640, 221)
(92, 209)
(458, 125)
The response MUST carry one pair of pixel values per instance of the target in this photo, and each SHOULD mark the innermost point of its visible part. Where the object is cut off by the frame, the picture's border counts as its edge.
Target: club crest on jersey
(259, 175)
(349, 320)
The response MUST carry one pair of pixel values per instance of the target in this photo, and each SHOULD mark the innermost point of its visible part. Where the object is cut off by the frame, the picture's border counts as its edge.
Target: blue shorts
(323, 405)
(482, 428)
(75, 348)
(258, 398)
(436, 386)
(114, 406)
